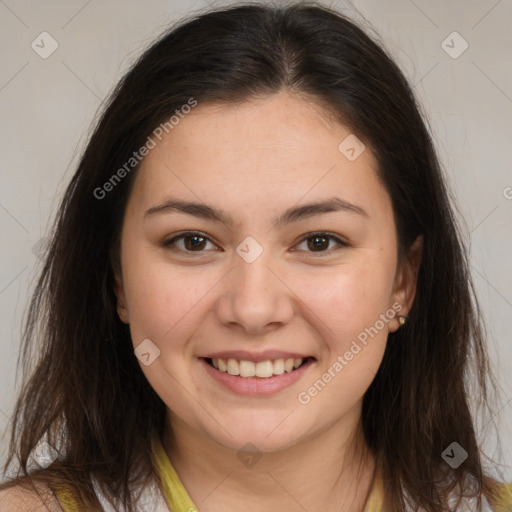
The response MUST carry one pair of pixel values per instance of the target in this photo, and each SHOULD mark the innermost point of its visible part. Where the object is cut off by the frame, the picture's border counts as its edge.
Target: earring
(402, 319)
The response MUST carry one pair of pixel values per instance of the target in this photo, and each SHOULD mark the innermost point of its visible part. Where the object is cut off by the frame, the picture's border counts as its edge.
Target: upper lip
(254, 356)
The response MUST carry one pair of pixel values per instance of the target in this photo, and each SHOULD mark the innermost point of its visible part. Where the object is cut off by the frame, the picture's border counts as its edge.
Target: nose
(254, 297)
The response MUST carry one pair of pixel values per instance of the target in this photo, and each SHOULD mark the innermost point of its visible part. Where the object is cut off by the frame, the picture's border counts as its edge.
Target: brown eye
(193, 242)
(188, 242)
(320, 243)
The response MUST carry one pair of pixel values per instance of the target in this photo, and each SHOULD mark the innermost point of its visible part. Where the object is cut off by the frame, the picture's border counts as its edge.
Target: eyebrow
(293, 214)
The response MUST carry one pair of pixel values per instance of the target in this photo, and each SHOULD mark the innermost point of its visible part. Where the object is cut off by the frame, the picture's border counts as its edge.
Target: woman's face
(320, 288)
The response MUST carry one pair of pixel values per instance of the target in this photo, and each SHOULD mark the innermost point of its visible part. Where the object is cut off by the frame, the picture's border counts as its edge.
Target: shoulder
(19, 498)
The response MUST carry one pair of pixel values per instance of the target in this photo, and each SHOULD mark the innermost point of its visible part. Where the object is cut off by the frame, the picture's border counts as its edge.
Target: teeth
(288, 365)
(262, 369)
(278, 366)
(247, 369)
(233, 368)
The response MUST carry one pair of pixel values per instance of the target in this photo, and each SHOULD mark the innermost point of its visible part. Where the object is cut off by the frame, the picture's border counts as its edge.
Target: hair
(82, 379)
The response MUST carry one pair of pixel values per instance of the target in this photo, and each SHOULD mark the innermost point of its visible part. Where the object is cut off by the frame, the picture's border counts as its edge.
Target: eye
(191, 241)
(320, 243)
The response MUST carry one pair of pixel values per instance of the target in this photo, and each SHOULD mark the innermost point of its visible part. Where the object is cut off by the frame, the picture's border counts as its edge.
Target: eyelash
(321, 234)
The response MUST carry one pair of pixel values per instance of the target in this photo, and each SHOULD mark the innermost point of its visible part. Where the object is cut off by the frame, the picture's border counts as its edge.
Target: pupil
(318, 242)
(198, 240)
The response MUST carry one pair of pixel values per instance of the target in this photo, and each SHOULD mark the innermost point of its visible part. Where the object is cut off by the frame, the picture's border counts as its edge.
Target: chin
(264, 437)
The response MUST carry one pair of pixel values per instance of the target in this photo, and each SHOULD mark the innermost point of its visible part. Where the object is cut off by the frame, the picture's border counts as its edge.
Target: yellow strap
(503, 503)
(376, 497)
(178, 499)
(175, 494)
(66, 500)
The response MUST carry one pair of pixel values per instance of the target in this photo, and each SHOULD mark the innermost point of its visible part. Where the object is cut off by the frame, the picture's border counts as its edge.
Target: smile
(261, 369)
(256, 378)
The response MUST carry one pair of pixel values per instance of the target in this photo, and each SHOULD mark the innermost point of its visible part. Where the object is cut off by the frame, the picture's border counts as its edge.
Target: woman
(256, 297)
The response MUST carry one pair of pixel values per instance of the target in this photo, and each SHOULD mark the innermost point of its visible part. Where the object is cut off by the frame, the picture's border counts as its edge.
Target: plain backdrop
(47, 106)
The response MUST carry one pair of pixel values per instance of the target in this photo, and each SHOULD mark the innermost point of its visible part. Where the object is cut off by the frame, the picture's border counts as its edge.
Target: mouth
(262, 378)
(267, 369)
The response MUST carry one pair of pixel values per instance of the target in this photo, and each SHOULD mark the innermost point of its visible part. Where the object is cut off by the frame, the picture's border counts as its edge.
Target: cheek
(350, 298)
(349, 305)
(160, 297)
(164, 303)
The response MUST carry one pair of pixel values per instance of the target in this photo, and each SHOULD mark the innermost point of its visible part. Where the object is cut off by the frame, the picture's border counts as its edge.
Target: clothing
(176, 499)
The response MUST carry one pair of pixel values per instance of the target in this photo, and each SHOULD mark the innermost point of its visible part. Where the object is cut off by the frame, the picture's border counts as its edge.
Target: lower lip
(256, 386)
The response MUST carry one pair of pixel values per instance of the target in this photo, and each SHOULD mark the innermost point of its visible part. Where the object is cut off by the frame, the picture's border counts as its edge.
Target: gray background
(47, 107)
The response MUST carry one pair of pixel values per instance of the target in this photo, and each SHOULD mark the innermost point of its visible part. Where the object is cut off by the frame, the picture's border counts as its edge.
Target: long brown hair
(83, 380)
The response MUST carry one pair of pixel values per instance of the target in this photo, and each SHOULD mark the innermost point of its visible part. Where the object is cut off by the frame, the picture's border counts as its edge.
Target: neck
(331, 471)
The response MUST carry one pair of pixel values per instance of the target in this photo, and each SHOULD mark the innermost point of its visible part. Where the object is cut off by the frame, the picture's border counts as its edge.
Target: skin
(254, 161)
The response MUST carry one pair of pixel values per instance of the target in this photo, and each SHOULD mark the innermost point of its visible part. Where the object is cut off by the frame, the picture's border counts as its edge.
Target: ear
(122, 309)
(406, 281)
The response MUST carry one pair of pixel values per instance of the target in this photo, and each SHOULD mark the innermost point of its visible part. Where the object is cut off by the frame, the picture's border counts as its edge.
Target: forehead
(271, 150)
